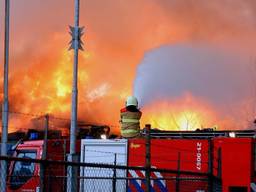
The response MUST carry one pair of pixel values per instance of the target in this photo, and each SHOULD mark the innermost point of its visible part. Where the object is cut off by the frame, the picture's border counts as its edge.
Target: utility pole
(5, 109)
(148, 157)
(44, 154)
(76, 44)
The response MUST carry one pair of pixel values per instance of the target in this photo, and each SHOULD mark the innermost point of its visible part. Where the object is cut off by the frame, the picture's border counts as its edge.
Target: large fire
(50, 92)
(186, 120)
(118, 34)
(183, 114)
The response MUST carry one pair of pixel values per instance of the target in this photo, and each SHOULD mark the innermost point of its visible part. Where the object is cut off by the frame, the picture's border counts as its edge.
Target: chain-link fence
(25, 173)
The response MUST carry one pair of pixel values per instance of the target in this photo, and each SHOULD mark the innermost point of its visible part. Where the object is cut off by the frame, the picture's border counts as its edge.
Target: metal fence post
(210, 166)
(148, 157)
(219, 174)
(44, 154)
(178, 175)
(114, 176)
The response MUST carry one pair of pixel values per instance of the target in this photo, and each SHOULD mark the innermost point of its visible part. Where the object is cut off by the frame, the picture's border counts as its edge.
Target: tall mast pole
(74, 86)
(76, 44)
(5, 108)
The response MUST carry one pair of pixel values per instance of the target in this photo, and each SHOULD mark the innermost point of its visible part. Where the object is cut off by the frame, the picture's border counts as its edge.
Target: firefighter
(130, 118)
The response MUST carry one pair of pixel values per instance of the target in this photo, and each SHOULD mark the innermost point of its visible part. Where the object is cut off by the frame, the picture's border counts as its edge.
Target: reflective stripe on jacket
(129, 133)
(130, 123)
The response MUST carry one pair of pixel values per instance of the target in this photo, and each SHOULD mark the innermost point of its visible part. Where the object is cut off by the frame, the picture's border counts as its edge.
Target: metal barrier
(30, 174)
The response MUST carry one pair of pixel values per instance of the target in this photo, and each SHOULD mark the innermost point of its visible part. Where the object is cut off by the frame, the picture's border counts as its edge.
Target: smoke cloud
(197, 74)
(209, 73)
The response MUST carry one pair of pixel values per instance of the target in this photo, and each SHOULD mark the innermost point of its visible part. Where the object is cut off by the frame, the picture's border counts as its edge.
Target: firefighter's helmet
(131, 100)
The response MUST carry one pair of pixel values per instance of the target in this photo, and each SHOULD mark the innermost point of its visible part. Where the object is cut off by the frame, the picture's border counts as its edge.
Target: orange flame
(184, 114)
(42, 79)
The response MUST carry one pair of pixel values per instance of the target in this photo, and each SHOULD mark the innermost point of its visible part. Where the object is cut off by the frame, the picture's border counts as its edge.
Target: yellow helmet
(131, 100)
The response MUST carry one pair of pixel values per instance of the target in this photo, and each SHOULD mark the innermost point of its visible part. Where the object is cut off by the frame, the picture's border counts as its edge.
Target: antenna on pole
(5, 109)
(76, 32)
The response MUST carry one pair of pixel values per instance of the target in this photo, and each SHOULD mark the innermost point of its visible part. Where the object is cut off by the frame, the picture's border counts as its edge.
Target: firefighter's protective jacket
(130, 123)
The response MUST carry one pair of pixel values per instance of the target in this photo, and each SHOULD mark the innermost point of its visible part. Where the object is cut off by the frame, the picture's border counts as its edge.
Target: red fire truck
(220, 160)
(25, 176)
(233, 163)
(187, 155)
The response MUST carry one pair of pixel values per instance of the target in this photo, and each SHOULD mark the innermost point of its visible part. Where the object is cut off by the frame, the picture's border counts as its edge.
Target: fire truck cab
(25, 176)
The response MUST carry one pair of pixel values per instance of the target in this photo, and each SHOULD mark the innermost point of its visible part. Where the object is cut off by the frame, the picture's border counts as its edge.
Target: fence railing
(26, 174)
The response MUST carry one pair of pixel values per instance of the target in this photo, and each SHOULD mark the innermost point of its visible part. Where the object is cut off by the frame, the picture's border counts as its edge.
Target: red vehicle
(216, 162)
(234, 163)
(230, 161)
(25, 176)
(187, 155)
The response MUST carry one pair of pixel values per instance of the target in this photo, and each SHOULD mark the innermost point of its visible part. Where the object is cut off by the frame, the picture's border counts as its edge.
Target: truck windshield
(22, 170)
